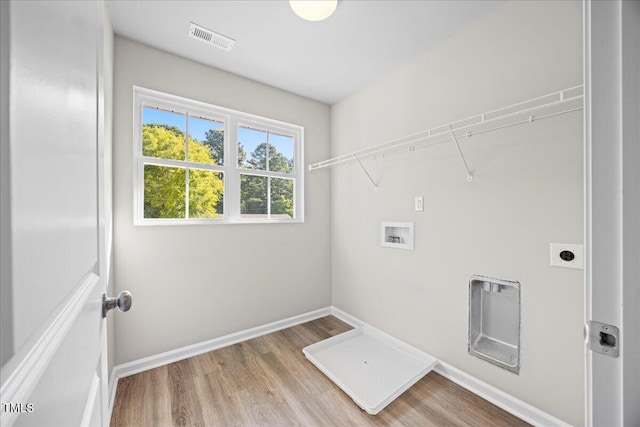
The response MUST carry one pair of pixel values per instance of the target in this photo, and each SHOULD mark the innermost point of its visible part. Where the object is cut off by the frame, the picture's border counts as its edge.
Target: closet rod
(567, 100)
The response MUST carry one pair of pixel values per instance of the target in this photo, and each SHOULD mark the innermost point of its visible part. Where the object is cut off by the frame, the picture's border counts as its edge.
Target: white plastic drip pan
(371, 367)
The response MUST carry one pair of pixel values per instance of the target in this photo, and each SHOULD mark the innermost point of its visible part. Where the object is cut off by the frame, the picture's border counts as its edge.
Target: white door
(53, 234)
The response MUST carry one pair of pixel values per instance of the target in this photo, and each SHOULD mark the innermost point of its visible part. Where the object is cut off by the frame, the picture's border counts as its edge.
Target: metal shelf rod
(469, 135)
(375, 186)
(418, 139)
(464, 161)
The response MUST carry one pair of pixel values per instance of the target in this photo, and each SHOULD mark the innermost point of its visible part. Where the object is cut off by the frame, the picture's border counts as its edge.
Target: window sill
(181, 222)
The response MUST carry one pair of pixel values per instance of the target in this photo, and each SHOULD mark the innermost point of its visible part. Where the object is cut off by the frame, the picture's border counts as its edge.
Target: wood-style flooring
(267, 381)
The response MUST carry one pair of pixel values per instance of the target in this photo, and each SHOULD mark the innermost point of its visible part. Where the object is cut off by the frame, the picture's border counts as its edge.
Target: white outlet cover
(577, 250)
(419, 203)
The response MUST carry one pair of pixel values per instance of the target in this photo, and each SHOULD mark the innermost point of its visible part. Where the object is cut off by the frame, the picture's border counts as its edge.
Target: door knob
(123, 302)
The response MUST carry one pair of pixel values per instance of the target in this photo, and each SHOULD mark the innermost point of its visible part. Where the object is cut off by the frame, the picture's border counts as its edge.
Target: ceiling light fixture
(313, 10)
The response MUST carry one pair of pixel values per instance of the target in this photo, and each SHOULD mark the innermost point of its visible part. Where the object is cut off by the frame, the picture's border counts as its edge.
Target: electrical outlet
(419, 203)
(567, 255)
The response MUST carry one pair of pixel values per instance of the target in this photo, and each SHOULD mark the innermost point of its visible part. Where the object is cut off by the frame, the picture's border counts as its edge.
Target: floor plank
(267, 381)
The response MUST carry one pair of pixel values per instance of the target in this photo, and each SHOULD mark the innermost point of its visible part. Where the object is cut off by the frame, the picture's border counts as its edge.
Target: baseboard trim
(511, 404)
(155, 361)
(488, 392)
(347, 318)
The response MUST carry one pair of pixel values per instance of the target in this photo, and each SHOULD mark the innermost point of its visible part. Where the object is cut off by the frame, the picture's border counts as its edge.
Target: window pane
(253, 196)
(164, 192)
(206, 141)
(281, 198)
(163, 134)
(252, 148)
(206, 190)
(280, 153)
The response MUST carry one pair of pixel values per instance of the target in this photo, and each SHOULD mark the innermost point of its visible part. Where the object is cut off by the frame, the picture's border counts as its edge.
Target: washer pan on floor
(371, 367)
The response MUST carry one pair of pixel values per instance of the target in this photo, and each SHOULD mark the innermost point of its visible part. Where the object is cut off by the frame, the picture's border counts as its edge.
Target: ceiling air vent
(210, 37)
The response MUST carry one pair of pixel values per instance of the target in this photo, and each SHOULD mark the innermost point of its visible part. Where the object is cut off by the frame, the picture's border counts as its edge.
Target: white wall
(194, 283)
(526, 193)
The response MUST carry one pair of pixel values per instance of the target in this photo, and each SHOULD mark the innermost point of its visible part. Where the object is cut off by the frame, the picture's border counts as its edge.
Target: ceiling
(325, 61)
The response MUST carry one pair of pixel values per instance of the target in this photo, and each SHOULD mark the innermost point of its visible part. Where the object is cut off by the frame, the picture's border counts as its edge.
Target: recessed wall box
(494, 321)
(397, 235)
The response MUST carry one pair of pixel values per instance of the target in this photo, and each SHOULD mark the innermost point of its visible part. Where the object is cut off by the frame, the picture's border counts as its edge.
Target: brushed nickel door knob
(123, 302)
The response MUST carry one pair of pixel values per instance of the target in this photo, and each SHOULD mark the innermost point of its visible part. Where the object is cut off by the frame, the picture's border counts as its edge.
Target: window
(266, 173)
(196, 163)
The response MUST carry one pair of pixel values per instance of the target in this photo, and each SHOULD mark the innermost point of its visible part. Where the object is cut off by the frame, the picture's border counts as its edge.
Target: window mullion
(258, 172)
(232, 178)
(268, 197)
(186, 137)
(186, 173)
(299, 171)
(159, 161)
(139, 187)
(186, 194)
(266, 163)
(267, 156)
(295, 199)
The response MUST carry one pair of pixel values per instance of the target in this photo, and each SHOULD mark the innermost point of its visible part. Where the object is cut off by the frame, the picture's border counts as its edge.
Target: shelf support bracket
(375, 186)
(464, 161)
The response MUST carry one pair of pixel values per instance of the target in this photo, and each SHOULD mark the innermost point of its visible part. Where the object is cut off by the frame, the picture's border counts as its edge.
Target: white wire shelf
(553, 104)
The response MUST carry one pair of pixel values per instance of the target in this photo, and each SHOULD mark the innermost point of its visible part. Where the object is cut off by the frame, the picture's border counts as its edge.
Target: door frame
(104, 59)
(612, 229)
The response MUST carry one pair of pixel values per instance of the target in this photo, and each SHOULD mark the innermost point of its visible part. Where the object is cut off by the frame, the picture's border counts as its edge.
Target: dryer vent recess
(494, 321)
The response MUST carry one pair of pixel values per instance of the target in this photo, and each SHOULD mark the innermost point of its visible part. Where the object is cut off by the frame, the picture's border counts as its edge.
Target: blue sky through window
(282, 144)
(249, 138)
(197, 127)
(154, 115)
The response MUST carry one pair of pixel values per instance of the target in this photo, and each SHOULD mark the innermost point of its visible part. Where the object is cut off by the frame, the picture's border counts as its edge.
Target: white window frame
(232, 119)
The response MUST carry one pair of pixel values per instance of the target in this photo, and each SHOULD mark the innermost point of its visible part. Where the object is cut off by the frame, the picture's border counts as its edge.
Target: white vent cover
(211, 37)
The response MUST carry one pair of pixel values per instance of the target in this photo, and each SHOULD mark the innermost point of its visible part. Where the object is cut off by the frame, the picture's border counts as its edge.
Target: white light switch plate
(556, 258)
(419, 203)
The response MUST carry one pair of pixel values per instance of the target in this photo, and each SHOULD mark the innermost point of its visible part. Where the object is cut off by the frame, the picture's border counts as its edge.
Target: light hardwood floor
(267, 381)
